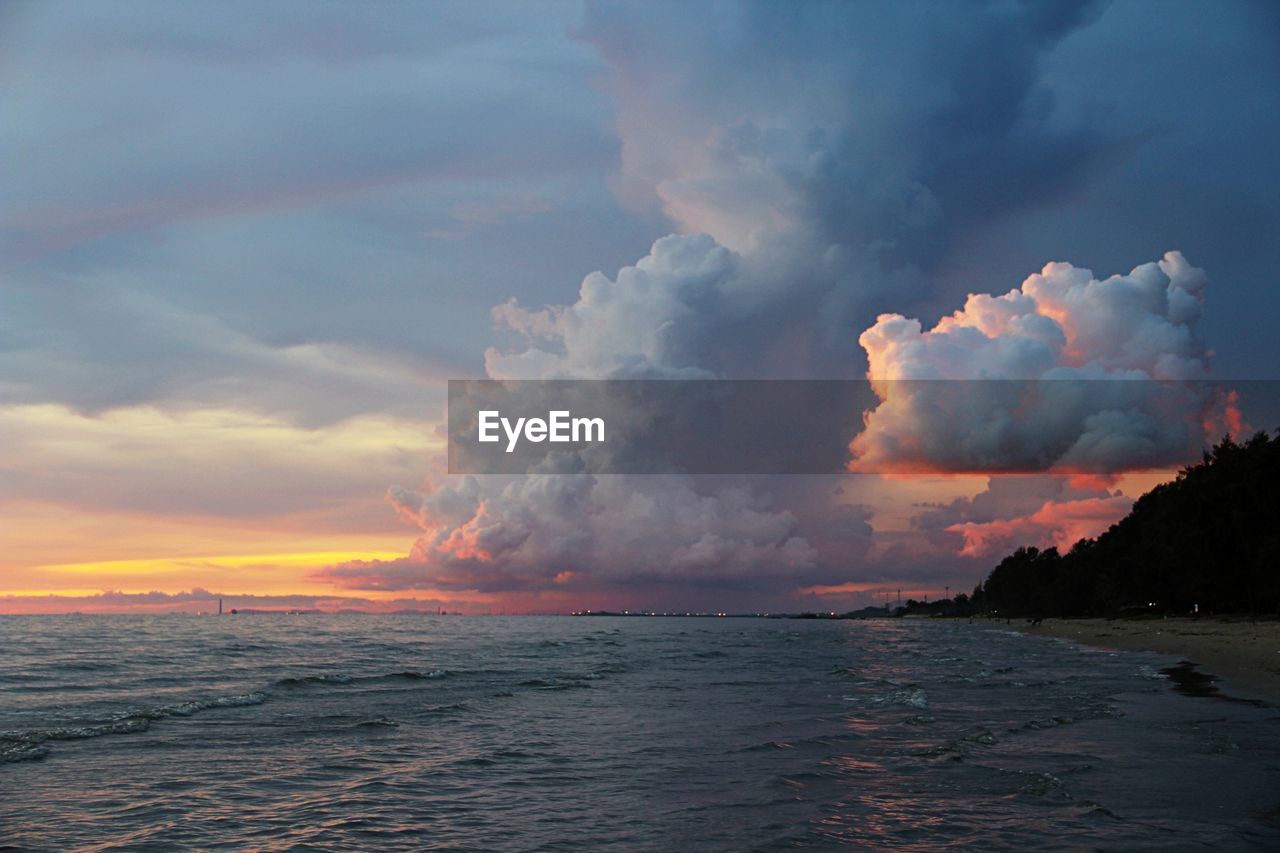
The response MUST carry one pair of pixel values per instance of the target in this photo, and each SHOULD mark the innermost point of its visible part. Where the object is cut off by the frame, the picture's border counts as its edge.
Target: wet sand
(1244, 654)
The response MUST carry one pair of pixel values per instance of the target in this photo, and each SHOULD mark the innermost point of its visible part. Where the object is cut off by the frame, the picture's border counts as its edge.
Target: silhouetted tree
(1210, 537)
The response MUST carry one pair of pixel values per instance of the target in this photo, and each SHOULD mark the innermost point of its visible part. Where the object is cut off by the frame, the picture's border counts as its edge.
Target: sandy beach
(1244, 654)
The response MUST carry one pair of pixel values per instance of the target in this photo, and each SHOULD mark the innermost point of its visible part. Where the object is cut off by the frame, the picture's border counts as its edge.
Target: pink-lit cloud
(1100, 370)
(1058, 524)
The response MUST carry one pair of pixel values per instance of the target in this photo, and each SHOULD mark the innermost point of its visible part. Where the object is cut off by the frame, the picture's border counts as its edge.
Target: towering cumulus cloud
(1056, 374)
(842, 172)
(560, 528)
(811, 189)
(651, 322)
(1067, 374)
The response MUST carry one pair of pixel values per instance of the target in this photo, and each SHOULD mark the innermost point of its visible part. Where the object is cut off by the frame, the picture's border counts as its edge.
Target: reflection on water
(409, 732)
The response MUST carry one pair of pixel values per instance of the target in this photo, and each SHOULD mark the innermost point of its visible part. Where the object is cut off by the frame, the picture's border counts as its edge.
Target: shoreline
(1241, 654)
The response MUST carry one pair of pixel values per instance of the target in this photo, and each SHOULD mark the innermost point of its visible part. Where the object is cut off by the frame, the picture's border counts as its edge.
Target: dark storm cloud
(865, 149)
(847, 144)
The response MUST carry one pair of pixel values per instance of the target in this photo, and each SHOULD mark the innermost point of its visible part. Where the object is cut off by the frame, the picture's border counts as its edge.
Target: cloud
(207, 463)
(1005, 498)
(654, 319)
(1106, 376)
(579, 531)
(213, 202)
(1011, 511)
(807, 187)
(1056, 524)
(843, 169)
(560, 527)
(222, 211)
(220, 109)
(650, 322)
(185, 359)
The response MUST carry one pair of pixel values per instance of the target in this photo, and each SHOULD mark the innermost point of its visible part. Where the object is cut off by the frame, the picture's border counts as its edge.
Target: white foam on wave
(908, 696)
(29, 744)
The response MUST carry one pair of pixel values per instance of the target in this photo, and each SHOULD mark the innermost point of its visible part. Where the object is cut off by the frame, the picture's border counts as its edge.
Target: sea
(415, 732)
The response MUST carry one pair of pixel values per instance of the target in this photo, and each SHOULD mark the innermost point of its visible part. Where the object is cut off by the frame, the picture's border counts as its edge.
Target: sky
(243, 247)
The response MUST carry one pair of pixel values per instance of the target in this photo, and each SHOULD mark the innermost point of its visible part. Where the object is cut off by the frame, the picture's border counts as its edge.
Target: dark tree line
(1209, 538)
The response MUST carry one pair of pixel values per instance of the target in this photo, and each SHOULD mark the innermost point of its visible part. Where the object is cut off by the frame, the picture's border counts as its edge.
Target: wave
(411, 675)
(908, 696)
(305, 680)
(767, 746)
(911, 697)
(451, 708)
(1093, 711)
(379, 722)
(31, 744)
(298, 681)
(553, 684)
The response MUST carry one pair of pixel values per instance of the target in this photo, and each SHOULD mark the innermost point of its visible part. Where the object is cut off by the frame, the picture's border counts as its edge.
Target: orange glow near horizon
(55, 549)
(915, 591)
(246, 568)
(144, 500)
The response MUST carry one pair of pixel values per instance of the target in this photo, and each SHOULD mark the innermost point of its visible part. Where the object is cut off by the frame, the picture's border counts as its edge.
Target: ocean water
(420, 732)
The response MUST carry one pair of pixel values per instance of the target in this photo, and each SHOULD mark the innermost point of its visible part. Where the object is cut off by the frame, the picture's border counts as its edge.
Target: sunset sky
(242, 249)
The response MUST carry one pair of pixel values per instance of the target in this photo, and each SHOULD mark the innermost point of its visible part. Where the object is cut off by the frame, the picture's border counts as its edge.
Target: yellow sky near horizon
(52, 550)
(142, 499)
